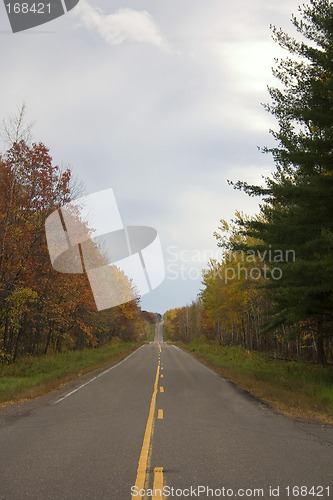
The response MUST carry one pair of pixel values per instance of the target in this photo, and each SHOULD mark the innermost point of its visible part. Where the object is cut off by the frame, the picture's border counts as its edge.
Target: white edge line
(176, 347)
(94, 378)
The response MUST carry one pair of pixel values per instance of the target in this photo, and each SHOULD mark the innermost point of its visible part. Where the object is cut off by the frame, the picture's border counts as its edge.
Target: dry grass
(296, 389)
(30, 378)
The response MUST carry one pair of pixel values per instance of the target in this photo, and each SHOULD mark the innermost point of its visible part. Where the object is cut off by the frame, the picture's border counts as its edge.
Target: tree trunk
(319, 343)
(5, 337)
(49, 337)
(321, 357)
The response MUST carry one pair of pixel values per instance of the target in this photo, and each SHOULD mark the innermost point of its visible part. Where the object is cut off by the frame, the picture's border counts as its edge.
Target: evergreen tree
(297, 208)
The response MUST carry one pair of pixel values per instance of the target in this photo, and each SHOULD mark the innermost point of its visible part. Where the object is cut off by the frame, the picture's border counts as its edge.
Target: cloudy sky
(159, 100)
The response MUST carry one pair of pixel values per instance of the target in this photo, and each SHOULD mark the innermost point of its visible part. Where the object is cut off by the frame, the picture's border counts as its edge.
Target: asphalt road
(159, 418)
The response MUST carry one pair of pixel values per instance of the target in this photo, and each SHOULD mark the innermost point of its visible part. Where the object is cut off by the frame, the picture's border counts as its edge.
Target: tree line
(273, 289)
(43, 311)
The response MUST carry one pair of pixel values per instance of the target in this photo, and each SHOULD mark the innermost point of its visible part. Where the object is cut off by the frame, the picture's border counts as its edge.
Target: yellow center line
(143, 460)
(160, 414)
(161, 389)
(162, 375)
(158, 484)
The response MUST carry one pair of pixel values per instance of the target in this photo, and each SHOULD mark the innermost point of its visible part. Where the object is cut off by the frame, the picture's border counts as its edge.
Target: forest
(273, 289)
(43, 311)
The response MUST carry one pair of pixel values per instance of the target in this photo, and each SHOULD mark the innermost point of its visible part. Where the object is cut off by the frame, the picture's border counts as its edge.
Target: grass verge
(31, 377)
(151, 332)
(294, 388)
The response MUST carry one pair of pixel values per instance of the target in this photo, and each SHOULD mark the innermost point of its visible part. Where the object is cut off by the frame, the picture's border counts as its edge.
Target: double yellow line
(140, 482)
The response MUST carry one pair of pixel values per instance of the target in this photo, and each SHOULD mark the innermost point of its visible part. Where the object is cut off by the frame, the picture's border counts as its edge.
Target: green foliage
(289, 378)
(297, 208)
(151, 332)
(28, 374)
(18, 303)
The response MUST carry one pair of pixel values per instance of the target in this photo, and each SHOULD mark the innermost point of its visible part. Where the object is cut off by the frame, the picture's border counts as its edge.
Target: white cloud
(126, 25)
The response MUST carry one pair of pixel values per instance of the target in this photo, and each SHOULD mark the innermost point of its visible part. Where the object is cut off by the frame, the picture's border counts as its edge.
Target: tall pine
(297, 208)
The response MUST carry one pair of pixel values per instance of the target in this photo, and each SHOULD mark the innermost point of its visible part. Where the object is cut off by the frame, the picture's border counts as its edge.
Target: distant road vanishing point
(159, 420)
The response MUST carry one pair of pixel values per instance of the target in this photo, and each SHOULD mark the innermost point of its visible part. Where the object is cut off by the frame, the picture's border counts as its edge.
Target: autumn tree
(43, 310)
(231, 293)
(31, 187)
(188, 323)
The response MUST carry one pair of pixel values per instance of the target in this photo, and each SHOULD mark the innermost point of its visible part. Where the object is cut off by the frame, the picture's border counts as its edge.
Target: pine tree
(297, 209)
